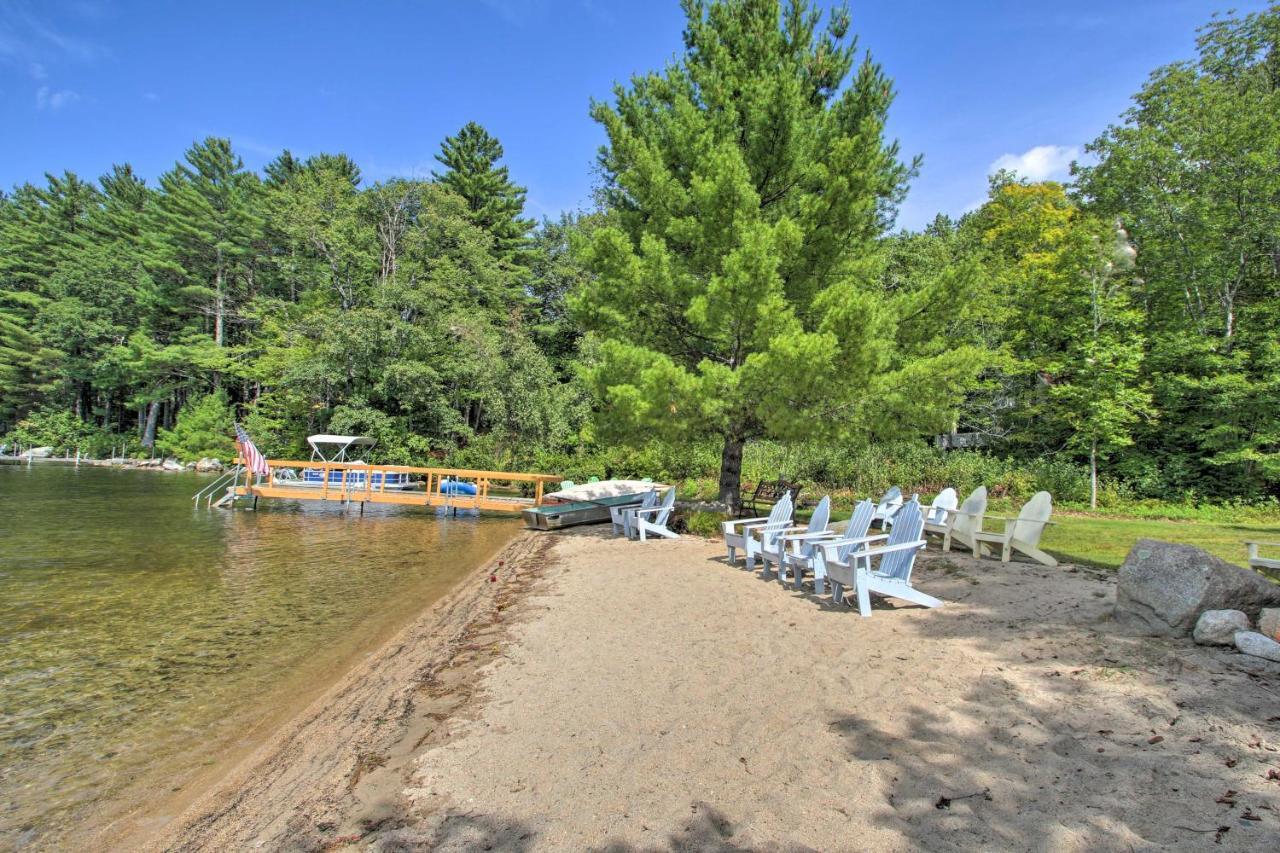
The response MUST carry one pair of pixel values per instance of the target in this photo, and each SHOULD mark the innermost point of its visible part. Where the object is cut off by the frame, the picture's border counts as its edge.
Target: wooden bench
(766, 494)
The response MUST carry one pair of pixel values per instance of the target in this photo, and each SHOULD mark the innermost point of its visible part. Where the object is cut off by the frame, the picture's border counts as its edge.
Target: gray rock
(1219, 627)
(208, 464)
(171, 465)
(1163, 588)
(37, 453)
(1269, 622)
(1253, 643)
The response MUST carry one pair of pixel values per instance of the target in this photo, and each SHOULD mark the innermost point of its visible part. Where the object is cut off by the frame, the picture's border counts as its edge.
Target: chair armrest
(888, 549)
(822, 534)
(639, 510)
(875, 538)
(829, 547)
(1262, 544)
(727, 526)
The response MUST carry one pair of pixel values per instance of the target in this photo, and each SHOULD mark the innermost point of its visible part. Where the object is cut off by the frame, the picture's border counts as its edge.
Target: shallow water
(140, 638)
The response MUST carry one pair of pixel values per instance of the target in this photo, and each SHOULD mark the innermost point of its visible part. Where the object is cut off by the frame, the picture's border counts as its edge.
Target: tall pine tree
(494, 202)
(736, 286)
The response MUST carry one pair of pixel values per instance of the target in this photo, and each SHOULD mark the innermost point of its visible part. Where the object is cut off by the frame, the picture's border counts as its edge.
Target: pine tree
(207, 211)
(736, 286)
(495, 204)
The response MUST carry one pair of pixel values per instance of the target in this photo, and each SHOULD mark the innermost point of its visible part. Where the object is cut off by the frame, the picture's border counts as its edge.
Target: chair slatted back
(818, 521)
(972, 510)
(889, 503)
(908, 527)
(946, 499)
(668, 502)
(1031, 518)
(781, 511)
(859, 524)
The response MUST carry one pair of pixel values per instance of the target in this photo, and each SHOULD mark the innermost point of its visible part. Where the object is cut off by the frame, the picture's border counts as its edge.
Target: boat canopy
(336, 446)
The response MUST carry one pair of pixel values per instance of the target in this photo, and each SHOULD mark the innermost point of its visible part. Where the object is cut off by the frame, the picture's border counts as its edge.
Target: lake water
(143, 642)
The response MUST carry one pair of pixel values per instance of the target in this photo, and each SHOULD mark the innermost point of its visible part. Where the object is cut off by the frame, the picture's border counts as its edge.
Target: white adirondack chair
(946, 500)
(737, 533)
(654, 519)
(1257, 561)
(892, 576)
(890, 502)
(776, 551)
(805, 555)
(960, 524)
(1022, 533)
(621, 516)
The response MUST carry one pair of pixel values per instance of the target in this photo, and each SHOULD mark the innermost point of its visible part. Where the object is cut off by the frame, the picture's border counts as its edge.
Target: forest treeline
(738, 280)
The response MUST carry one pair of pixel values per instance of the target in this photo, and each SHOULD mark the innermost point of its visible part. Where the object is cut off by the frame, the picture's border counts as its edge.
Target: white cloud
(49, 99)
(1041, 163)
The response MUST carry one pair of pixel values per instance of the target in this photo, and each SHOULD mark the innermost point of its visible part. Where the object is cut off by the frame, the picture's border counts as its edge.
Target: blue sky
(88, 83)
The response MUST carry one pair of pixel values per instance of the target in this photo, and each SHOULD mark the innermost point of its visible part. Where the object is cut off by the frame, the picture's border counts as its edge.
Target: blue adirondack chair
(739, 534)
(892, 576)
(806, 556)
(776, 552)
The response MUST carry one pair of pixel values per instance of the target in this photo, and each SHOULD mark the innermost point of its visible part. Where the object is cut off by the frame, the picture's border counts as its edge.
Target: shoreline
(612, 695)
(335, 761)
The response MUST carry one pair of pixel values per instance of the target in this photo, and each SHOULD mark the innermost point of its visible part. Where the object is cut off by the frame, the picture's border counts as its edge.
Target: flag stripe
(253, 458)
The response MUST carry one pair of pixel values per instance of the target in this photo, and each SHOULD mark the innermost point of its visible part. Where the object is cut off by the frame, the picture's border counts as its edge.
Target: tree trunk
(149, 430)
(219, 302)
(1093, 475)
(731, 472)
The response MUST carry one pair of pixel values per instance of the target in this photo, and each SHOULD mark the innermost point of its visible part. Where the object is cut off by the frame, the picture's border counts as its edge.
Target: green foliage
(735, 291)
(1194, 174)
(58, 429)
(494, 203)
(204, 429)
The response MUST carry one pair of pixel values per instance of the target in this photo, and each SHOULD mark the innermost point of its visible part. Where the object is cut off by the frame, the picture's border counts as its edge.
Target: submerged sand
(604, 694)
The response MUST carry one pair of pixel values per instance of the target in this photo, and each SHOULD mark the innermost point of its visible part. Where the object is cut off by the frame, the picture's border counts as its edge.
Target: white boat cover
(603, 489)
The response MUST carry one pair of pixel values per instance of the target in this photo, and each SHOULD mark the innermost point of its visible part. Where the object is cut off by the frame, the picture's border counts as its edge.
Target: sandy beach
(603, 694)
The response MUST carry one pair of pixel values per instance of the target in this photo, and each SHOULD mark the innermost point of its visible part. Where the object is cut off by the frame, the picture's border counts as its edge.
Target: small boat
(588, 503)
(335, 448)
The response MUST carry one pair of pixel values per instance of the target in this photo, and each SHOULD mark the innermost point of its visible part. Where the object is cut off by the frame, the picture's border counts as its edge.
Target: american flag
(254, 459)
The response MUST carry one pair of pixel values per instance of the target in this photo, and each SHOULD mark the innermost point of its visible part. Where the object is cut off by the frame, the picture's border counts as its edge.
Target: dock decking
(360, 483)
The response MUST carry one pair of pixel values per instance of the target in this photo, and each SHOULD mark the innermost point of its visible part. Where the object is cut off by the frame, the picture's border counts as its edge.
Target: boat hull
(561, 515)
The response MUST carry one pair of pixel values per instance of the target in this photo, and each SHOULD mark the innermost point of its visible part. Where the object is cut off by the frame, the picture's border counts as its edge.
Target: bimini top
(340, 444)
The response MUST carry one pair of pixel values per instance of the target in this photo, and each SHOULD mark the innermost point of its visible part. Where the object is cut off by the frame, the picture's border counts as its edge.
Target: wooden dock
(358, 483)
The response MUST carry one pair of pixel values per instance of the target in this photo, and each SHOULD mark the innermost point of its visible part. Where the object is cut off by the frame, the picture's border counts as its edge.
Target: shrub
(204, 428)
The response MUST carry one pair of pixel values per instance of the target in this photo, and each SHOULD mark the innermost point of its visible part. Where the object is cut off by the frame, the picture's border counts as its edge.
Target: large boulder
(1253, 643)
(37, 453)
(208, 464)
(1163, 588)
(1219, 627)
(171, 465)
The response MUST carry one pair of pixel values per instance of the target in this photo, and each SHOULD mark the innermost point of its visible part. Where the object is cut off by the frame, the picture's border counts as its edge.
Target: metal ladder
(224, 482)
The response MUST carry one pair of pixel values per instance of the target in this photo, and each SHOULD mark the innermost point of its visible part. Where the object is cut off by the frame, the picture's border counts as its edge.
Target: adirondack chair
(888, 522)
(892, 577)
(776, 551)
(738, 533)
(1022, 533)
(619, 517)
(1269, 566)
(805, 555)
(960, 524)
(946, 500)
(889, 504)
(655, 518)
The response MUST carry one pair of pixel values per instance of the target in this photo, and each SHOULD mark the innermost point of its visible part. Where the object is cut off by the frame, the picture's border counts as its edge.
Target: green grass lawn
(1104, 540)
